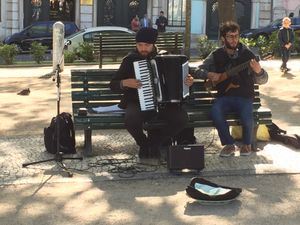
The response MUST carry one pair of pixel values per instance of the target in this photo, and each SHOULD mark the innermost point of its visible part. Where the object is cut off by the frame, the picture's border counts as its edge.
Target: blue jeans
(243, 107)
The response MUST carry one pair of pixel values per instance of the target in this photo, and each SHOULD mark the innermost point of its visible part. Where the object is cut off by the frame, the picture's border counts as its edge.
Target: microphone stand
(58, 158)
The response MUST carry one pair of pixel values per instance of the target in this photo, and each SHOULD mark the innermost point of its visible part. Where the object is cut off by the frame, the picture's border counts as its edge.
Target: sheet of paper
(110, 108)
(185, 72)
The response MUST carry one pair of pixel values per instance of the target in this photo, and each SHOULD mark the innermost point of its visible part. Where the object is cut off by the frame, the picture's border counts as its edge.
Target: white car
(87, 35)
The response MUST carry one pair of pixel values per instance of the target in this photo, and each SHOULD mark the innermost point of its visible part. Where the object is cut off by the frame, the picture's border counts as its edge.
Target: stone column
(264, 13)
(255, 14)
(77, 12)
(155, 8)
(12, 17)
(86, 14)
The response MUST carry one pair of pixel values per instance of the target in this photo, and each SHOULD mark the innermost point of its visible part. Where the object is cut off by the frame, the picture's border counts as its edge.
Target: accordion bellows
(201, 189)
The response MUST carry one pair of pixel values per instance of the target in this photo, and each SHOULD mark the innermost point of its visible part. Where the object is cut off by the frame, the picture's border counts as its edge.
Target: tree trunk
(187, 38)
(226, 10)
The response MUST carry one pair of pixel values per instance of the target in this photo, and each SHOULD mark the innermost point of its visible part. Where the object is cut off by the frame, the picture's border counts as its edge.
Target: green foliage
(273, 44)
(205, 46)
(70, 56)
(250, 42)
(270, 46)
(38, 51)
(85, 51)
(266, 45)
(8, 53)
(263, 44)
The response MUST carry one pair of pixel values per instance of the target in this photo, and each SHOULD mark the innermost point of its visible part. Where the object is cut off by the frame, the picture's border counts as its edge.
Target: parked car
(269, 29)
(88, 35)
(41, 32)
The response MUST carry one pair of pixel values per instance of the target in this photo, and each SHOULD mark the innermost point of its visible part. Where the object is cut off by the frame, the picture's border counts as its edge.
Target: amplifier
(185, 157)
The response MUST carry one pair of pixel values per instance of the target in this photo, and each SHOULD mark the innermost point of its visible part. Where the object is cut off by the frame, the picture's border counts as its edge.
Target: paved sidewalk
(274, 159)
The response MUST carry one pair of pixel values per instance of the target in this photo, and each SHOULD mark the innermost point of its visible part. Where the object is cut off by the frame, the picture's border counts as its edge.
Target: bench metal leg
(88, 151)
(254, 138)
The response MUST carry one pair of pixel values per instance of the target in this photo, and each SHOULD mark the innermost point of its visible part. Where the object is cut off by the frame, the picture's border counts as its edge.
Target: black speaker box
(185, 157)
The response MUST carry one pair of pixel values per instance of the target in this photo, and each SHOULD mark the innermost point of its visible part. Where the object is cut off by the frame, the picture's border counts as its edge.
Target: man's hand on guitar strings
(255, 66)
(214, 77)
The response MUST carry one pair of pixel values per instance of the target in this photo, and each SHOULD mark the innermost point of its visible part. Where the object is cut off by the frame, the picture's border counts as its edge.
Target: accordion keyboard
(146, 92)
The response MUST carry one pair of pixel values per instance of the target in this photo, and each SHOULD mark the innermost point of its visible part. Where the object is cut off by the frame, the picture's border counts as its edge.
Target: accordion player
(162, 80)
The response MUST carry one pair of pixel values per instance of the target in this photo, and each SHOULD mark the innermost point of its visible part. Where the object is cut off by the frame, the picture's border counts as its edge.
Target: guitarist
(235, 86)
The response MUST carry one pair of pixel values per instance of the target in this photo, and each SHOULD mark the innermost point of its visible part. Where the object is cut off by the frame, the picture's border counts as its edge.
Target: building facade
(17, 14)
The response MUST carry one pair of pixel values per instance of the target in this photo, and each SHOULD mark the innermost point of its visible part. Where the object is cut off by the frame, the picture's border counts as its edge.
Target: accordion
(162, 80)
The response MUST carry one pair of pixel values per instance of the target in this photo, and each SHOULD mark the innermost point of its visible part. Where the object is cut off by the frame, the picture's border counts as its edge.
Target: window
(86, 2)
(89, 37)
(62, 10)
(36, 9)
(176, 13)
(40, 29)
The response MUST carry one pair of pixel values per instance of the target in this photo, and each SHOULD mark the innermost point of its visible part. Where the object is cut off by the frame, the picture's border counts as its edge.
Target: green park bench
(90, 88)
(115, 47)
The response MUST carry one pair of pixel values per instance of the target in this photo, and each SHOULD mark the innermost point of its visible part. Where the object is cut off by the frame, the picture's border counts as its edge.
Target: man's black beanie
(146, 35)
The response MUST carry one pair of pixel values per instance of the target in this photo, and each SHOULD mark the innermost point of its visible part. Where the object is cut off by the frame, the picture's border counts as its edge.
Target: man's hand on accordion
(189, 80)
(131, 83)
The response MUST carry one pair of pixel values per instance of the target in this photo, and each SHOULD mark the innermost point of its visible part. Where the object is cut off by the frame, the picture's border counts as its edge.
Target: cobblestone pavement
(117, 159)
(281, 95)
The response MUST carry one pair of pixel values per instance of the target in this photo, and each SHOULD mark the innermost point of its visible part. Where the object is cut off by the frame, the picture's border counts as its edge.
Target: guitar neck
(235, 70)
(230, 73)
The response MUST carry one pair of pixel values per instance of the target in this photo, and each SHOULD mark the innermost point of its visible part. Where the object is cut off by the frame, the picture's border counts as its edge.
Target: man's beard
(144, 53)
(227, 45)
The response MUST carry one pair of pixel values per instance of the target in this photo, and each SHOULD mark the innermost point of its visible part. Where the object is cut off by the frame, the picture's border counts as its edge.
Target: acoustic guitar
(234, 71)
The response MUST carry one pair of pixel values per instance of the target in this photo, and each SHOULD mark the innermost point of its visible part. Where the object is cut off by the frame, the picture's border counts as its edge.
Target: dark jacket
(126, 70)
(285, 36)
(161, 23)
(219, 61)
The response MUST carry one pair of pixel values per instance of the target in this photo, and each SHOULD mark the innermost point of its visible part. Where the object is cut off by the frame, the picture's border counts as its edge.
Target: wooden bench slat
(117, 46)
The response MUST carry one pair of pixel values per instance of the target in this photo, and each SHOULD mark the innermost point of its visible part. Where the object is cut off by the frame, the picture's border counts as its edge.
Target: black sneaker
(154, 152)
(285, 69)
(144, 152)
(164, 153)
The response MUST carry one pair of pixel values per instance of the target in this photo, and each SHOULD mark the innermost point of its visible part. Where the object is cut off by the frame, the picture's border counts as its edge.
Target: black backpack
(66, 133)
(277, 134)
